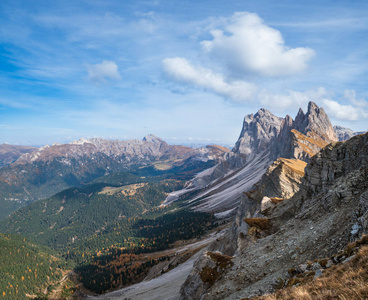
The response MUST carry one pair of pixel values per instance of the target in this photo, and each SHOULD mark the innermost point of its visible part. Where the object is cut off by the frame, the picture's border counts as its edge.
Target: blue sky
(187, 71)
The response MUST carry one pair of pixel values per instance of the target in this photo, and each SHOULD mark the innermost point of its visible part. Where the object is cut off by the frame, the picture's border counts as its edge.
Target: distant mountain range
(42, 172)
(10, 153)
(344, 134)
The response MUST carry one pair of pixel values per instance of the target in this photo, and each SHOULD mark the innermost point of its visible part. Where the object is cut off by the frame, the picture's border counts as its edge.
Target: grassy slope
(347, 280)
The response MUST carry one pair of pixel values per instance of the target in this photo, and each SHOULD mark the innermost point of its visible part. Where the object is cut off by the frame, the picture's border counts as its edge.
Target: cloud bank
(245, 47)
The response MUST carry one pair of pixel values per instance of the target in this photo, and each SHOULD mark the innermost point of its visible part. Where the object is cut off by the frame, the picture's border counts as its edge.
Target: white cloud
(351, 96)
(243, 47)
(344, 112)
(103, 71)
(291, 99)
(181, 70)
(295, 99)
(247, 45)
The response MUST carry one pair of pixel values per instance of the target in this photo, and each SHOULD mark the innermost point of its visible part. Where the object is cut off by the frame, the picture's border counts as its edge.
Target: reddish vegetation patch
(261, 223)
(210, 275)
(221, 148)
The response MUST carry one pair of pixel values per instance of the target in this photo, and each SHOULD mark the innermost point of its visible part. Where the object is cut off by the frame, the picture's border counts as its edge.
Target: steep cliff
(263, 139)
(329, 210)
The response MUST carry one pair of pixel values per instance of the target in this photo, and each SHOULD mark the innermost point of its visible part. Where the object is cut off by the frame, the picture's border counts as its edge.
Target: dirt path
(56, 294)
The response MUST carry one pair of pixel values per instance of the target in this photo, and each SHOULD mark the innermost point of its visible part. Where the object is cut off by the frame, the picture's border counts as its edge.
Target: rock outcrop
(329, 210)
(259, 132)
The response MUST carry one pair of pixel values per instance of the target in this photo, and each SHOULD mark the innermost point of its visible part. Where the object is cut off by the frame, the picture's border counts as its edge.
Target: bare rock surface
(328, 211)
(263, 139)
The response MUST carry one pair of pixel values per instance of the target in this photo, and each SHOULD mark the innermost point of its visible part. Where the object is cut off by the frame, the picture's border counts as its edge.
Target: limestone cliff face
(300, 139)
(258, 133)
(329, 210)
(315, 121)
(263, 139)
(337, 161)
(282, 180)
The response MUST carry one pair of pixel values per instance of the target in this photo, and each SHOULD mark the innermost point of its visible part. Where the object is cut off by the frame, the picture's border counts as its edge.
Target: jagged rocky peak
(258, 132)
(284, 137)
(315, 120)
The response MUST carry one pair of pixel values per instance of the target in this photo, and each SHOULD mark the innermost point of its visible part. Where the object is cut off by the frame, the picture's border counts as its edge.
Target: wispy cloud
(354, 111)
(344, 112)
(291, 99)
(329, 24)
(103, 71)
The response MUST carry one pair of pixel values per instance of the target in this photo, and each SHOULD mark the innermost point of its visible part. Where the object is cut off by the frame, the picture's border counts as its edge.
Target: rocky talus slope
(263, 139)
(329, 211)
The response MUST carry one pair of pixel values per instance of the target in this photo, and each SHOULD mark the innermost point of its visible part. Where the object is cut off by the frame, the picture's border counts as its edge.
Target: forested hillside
(103, 229)
(26, 268)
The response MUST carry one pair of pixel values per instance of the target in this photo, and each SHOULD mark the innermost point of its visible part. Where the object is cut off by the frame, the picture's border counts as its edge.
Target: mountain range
(290, 191)
(42, 172)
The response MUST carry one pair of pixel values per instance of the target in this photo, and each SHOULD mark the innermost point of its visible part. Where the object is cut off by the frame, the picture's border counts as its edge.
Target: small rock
(348, 259)
(329, 263)
(303, 267)
(317, 273)
(316, 266)
(354, 229)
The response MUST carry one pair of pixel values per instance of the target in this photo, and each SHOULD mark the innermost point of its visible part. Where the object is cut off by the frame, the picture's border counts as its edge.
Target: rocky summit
(263, 139)
(285, 137)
